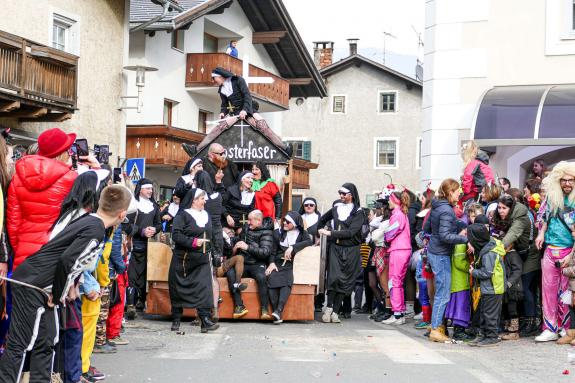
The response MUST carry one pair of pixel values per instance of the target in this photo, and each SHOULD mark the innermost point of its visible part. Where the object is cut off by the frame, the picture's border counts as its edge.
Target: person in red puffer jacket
(35, 196)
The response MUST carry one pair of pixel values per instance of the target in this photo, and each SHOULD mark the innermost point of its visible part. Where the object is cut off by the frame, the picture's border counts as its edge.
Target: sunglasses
(309, 205)
(286, 222)
(222, 153)
(343, 193)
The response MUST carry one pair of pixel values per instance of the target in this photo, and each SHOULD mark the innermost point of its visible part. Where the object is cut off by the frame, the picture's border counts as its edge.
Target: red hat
(54, 142)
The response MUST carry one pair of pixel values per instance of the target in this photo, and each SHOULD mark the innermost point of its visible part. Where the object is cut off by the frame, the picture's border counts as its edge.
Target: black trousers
(177, 312)
(236, 296)
(335, 300)
(30, 318)
(258, 272)
(490, 312)
(279, 297)
(137, 278)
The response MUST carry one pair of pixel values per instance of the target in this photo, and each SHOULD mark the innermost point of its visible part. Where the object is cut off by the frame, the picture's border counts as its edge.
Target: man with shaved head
(256, 243)
(223, 171)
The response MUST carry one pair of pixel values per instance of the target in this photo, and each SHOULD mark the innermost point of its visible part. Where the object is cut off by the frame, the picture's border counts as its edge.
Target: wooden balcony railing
(301, 169)
(37, 72)
(200, 65)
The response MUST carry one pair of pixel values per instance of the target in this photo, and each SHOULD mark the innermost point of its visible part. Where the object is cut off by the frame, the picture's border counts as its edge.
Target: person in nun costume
(240, 201)
(289, 240)
(310, 215)
(187, 180)
(190, 273)
(344, 262)
(143, 224)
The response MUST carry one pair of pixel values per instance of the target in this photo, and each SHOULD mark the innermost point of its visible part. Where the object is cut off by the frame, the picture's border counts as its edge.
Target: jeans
(531, 281)
(441, 266)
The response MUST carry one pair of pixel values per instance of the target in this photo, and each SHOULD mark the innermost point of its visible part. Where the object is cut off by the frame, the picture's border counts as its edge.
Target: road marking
(190, 350)
(400, 348)
(482, 376)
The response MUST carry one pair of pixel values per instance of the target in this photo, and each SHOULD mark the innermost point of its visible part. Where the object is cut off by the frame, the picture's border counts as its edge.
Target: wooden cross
(242, 125)
(253, 80)
(204, 244)
(338, 228)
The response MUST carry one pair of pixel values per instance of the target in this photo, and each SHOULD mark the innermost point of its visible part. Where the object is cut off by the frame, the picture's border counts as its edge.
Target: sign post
(136, 169)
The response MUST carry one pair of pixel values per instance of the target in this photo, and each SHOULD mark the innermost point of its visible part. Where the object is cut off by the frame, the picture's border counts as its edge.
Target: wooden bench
(300, 305)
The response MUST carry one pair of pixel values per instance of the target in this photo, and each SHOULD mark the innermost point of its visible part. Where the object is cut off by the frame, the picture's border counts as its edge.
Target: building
(367, 131)
(498, 72)
(61, 65)
(185, 47)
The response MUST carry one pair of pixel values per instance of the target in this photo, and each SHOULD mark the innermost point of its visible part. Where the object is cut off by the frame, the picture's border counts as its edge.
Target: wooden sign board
(159, 259)
(306, 266)
(245, 144)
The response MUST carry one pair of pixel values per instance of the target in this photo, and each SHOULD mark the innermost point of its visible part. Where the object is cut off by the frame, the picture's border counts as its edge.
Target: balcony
(159, 144)
(37, 82)
(301, 169)
(199, 66)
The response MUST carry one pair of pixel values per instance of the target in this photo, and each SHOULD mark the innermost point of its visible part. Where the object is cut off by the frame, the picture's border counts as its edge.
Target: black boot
(176, 324)
(207, 324)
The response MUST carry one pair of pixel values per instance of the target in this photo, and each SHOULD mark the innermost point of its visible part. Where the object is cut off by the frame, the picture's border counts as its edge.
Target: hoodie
(476, 175)
(35, 197)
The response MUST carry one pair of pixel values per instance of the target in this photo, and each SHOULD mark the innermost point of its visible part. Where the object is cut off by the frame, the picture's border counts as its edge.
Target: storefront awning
(526, 115)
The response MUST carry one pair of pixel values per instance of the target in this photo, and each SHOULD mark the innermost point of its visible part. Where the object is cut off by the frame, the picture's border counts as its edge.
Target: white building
(499, 72)
(367, 131)
(185, 47)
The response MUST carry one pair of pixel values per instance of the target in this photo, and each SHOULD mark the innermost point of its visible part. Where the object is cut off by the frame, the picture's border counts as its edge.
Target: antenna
(385, 35)
(418, 63)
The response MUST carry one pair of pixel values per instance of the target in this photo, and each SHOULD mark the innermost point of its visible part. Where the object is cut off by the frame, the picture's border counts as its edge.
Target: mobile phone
(74, 149)
(97, 152)
(117, 175)
(104, 154)
(82, 145)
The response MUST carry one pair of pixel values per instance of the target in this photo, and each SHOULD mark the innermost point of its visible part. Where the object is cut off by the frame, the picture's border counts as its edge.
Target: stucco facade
(100, 38)
(345, 146)
(474, 45)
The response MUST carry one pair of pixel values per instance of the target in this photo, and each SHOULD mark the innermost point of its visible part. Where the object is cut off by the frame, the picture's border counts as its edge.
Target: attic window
(338, 104)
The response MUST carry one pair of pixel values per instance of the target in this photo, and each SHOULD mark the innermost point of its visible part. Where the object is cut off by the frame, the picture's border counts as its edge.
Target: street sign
(136, 169)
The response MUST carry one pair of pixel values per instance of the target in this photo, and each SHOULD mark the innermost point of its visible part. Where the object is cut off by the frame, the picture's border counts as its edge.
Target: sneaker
(422, 325)
(87, 378)
(418, 316)
(394, 320)
(119, 341)
(277, 318)
(265, 315)
(334, 318)
(95, 374)
(326, 317)
(240, 286)
(140, 306)
(487, 342)
(105, 349)
(131, 312)
(239, 312)
(547, 336)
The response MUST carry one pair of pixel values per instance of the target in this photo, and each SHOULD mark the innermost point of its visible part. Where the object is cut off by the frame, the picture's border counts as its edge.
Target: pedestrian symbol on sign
(136, 167)
(135, 175)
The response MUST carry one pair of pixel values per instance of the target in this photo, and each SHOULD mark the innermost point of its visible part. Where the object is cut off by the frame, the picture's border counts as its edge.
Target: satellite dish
(419, 72)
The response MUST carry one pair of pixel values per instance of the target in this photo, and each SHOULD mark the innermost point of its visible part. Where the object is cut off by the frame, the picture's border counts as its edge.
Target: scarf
(344, 210)
(291, 238)
(200, 216)
(310, 219)
(258, 185)
(227, 88)
(247, 197)
(145, 205)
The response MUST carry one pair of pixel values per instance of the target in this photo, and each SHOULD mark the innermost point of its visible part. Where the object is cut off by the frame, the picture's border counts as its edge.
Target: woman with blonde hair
(476, 172)
(442, 225)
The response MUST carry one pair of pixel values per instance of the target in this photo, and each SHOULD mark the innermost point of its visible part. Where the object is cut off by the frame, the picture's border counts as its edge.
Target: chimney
(322, 53)
(352, 46)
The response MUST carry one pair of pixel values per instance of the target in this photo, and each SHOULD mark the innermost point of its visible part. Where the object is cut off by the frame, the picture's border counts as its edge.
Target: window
(202, 118)
(370, 200)
(301, 149)
(178, 39)
(418, 153)
(338, 104)
(296, 201)
(64, 34)
(210, 43)
(387, 102)
(169, 112)
(166, 193)
(386, 153)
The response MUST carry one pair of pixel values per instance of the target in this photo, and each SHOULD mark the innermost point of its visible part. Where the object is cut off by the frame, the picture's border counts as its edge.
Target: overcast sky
(338, 20)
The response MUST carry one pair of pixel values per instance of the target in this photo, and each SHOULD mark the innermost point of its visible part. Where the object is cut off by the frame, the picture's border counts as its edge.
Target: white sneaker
(326, 317)
(562, 333)
(335, 318)
(400, 321)
(418, 317)
(391, 320)
(547, 336)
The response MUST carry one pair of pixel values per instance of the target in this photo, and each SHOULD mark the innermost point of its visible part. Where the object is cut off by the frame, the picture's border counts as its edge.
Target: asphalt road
(357, 350)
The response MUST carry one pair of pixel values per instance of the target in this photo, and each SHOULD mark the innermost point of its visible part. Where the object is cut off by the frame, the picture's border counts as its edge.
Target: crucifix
(242, 125)
(253, 80)
(243, 221)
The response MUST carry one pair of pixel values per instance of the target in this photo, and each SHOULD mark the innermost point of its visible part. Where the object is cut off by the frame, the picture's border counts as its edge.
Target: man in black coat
(224, 172)
(256, 245)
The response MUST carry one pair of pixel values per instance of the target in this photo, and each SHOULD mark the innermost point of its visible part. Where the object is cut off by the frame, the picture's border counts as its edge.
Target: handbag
(114, 293)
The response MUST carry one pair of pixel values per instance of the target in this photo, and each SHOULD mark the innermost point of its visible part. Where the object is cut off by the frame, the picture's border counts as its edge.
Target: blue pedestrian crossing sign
(136, 169)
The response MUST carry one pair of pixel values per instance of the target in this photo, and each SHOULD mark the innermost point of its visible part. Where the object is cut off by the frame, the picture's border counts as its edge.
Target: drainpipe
(167, 7)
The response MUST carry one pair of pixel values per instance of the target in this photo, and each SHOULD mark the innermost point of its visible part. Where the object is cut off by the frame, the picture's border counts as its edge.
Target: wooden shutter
(307, 150)
(339, 104)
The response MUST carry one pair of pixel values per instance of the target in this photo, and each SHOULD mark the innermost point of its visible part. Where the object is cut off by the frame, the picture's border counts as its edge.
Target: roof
(358, 60)
(280, 38)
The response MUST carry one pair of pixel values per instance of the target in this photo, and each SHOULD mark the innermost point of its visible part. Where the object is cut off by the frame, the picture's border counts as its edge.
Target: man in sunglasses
(557, 235)
(224, 172)
(346, 218)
